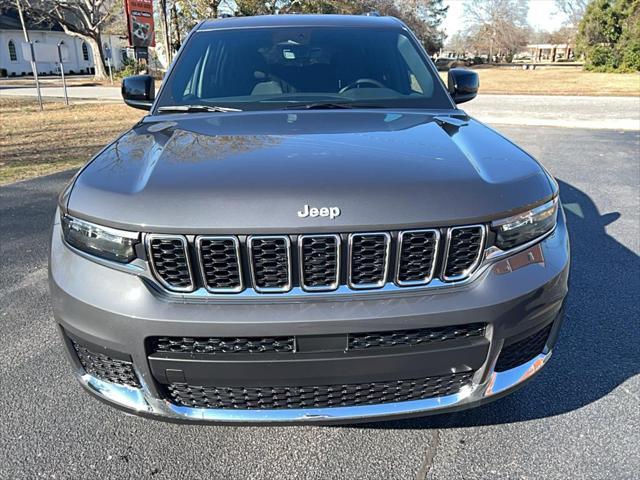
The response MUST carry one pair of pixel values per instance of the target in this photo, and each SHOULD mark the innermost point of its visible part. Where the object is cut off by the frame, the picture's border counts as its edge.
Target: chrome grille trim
(382, 281)
(476, 262)
(142, 269)
(345, 283)
(336, 283)
(289, 283)
(185, 246)
(236, 243)
(426, 280)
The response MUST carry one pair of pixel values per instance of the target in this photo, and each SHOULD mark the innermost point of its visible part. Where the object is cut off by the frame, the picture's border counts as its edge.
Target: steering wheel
(362, 81)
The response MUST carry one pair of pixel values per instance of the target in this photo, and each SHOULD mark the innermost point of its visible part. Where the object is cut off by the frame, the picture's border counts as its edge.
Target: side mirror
(463, 84)
(139, 91)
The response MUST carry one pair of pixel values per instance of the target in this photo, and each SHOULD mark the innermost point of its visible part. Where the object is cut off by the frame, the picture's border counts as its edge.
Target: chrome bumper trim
(140, 400)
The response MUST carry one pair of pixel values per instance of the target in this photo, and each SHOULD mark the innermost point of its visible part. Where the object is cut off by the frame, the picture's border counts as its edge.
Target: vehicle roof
(296, 20)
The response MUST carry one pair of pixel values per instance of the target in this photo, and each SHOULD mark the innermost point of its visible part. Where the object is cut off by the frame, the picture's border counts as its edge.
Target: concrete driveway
(579, 419)
(599, 113)
(74, 92)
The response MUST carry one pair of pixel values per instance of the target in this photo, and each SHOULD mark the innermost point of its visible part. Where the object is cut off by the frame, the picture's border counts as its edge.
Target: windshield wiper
(326, 105)
(196, 108)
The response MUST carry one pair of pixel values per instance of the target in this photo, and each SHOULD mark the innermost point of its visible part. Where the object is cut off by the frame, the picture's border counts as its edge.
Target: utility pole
(165, 28)
(34, 66)
(64, 81)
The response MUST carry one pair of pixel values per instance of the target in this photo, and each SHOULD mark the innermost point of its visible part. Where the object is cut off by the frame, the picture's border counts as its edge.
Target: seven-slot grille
(323, 262)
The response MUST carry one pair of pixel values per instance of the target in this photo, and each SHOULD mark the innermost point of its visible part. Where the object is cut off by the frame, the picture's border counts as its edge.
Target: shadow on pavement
(599, 342)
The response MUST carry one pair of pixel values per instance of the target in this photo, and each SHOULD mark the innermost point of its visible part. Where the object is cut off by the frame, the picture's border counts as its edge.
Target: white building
(76, 54)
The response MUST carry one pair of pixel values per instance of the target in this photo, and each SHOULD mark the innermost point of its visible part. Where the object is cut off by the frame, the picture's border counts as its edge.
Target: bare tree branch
(497, 27)
(573, 10)
(79, 18)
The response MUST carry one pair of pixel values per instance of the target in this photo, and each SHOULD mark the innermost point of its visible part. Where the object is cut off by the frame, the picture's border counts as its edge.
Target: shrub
(131, 67)
(609, 35)
(631, 55)
(601, 59)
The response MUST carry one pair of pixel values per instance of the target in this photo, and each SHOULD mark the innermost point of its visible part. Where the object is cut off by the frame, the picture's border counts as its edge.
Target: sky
(542, 16)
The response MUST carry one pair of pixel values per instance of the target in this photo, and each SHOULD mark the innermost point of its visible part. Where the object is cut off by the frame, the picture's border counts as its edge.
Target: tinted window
(271, 68)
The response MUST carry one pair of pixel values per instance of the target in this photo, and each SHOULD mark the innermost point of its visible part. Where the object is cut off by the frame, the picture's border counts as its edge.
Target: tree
(497, 27)
(424, 17)
(609, 35)
(84, 19)
(573, 10)
(185, 14)
(459, 43)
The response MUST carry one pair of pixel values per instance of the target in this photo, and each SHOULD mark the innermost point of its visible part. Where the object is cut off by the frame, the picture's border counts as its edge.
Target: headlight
(526, 226)
(105, 242)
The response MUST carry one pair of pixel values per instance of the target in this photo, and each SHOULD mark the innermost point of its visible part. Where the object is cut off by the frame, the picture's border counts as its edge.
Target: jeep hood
(251, 172)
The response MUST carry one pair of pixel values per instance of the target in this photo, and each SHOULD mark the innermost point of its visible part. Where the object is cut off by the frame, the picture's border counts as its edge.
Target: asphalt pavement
(580, 418)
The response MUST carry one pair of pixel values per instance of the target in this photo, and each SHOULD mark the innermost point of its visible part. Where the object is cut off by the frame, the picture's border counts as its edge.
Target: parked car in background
(444, 64)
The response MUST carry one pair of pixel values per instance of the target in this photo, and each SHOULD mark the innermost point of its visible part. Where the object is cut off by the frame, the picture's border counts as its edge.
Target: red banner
(140, 22)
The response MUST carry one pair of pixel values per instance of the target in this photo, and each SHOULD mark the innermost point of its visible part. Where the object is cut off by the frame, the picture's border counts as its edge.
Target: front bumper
(118, 312)
(141, 401)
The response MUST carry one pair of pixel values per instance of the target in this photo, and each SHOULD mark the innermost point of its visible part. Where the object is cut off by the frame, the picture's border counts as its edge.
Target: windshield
(267, 68)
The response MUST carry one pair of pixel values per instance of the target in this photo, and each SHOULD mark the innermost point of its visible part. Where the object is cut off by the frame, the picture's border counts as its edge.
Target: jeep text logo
(331, 212)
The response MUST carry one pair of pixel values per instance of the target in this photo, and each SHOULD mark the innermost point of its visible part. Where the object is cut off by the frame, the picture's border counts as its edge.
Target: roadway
(602, 113)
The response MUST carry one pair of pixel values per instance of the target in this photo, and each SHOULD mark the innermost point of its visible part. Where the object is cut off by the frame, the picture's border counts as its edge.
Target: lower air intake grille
(369, 259)
(320, 257)
(170, 259)
(215, 345)
(521, 352)
(361, 341)
(270, 263)
(465, 248)
(417, 256)
(106, 368)
(317, 396)
(220, 263)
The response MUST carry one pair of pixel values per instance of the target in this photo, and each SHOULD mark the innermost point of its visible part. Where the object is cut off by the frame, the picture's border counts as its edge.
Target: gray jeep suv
(305, 228)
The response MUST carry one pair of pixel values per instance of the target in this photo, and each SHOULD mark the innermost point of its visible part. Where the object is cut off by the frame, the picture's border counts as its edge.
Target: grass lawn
(555, 81)
(36, 143)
